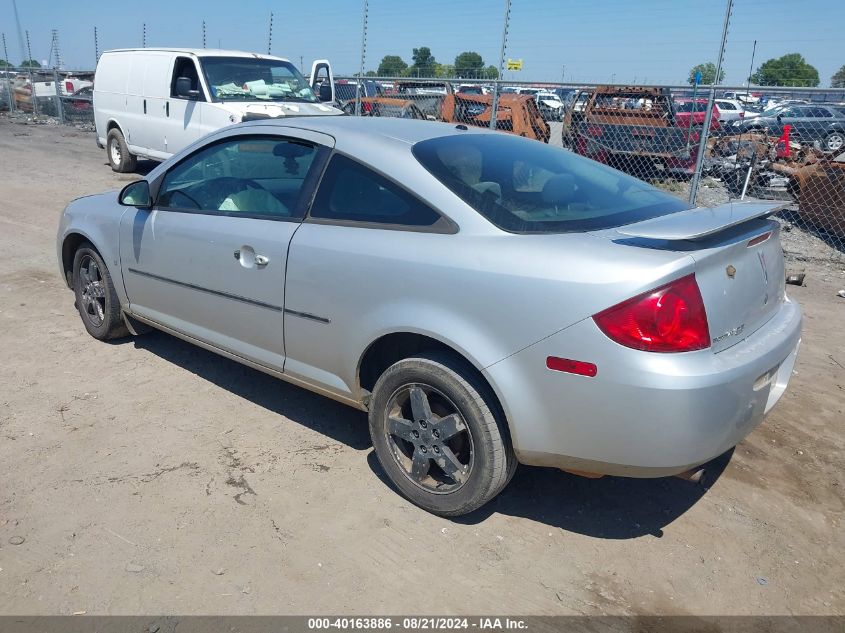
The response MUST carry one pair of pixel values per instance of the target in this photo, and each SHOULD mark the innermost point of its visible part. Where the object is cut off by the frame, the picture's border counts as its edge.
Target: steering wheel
(221, 188)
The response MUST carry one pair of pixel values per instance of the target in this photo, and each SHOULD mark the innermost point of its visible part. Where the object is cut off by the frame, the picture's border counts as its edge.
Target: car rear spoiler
(701, 222)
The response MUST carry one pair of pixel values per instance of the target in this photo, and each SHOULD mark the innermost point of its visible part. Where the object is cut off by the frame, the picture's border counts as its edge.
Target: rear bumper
(643, 414)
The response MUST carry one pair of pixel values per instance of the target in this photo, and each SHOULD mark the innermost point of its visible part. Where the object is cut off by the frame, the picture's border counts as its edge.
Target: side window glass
(185, 67)
(350, 191)
(253, 176)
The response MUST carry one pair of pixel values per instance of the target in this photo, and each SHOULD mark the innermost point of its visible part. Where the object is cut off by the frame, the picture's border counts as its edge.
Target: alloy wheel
(92, 290)
(429, 438)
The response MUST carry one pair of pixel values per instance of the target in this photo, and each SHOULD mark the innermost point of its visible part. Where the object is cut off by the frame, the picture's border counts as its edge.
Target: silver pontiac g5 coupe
(487, 299)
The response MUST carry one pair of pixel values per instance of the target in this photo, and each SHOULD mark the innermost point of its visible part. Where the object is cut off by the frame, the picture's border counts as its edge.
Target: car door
(208, 260)
(365, 236)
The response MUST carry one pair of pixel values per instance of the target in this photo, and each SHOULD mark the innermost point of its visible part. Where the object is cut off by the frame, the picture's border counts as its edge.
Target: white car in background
(550, 104)
(733, 110)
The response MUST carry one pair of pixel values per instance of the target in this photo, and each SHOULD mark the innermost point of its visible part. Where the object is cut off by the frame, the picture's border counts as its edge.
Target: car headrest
(559, 189)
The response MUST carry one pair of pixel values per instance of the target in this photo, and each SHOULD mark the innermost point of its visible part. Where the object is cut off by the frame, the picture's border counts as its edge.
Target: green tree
(370, 73)
(30, 63)
(424, 63)
(391, 66)
(789, 70)
(838, 79)
(491, 72)
(469, 65)
(4, 64)
(444, 70)
(708, 74)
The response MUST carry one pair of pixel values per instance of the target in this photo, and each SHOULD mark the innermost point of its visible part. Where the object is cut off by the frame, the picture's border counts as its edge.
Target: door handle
(167, 108)
(145, 106)
(248, 258)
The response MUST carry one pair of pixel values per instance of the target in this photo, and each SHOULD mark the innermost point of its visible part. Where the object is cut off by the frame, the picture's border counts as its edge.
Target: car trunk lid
(739, 265)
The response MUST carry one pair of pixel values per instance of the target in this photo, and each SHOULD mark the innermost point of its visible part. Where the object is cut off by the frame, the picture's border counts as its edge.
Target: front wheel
(120, 159)
(96, 298)
(436, 435)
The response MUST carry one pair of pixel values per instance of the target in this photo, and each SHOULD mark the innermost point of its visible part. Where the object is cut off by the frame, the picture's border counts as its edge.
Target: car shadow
(609, 508)
(332, 419)
(142, 167)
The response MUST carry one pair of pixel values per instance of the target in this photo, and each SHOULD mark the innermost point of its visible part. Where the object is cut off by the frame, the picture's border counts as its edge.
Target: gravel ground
(150, 476)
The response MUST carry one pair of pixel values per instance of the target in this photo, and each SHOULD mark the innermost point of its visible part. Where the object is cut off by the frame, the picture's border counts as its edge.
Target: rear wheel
(436, 435)
(96, 298)
(118, 152)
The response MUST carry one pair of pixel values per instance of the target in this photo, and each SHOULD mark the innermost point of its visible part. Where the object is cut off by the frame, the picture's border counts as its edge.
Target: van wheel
(119, 157)
(436, 435)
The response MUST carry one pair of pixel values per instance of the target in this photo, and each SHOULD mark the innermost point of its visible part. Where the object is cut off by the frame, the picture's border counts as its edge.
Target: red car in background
(688, 111)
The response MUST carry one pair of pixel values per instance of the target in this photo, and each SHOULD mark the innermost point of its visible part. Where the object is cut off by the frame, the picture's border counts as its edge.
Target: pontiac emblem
(731, 271)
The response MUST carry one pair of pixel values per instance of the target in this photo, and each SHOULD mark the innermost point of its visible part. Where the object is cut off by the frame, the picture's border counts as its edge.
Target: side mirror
(183, 89)
(136, 194)
(325, 91)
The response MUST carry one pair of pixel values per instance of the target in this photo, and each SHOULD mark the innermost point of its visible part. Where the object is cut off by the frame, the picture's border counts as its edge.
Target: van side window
(185, 67)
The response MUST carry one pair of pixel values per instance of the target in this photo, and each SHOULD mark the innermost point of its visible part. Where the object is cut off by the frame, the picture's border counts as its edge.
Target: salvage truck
(153, 102)
(633, 128)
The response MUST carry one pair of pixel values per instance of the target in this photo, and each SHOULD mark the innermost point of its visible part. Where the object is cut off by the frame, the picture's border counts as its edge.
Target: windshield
(250, 79)
(524, 186)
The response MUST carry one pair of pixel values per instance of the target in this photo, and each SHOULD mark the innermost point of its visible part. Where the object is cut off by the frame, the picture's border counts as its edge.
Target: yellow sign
(514, 64)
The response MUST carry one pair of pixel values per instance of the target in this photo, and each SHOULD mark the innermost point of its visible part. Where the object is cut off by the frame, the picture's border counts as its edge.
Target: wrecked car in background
(516, 113)
(386, 106)
(632, 128)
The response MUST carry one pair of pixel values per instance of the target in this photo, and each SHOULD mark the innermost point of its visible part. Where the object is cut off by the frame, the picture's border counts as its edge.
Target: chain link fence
(770, 143)
(48, 95)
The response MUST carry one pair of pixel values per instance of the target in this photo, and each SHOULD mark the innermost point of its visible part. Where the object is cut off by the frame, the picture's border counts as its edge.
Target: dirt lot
(149, 476)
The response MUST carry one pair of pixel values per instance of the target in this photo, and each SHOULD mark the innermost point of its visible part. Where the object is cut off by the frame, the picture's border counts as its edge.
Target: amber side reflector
(759, 239)
(571, 366)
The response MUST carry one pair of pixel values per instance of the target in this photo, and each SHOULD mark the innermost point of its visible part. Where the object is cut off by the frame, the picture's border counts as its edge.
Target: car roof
(370, 130)
(199, 52)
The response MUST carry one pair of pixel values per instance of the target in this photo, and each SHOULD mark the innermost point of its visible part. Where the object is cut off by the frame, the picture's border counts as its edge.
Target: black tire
(118, 154)
(482, 442)
(96, 299)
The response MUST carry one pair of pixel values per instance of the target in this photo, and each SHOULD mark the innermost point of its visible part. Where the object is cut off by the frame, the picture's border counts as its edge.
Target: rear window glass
(524, 186)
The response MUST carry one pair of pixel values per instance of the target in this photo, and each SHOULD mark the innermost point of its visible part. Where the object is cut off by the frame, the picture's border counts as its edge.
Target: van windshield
(245, 79)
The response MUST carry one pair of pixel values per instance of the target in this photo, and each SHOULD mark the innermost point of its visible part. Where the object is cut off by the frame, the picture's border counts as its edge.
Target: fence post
(9, 88)
(60, 113)
(708, 117)
(494, 110)
(359, 87)
(32, 94)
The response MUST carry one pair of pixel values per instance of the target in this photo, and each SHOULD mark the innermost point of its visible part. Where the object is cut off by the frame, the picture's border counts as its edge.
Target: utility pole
(300, 65)
(203, 33)
(270, 35)
(562, 73)
(28, 50)
(5, 52)
(20, 32)
(144, 35)
(705, 132)
(495, 107)
(96, 47)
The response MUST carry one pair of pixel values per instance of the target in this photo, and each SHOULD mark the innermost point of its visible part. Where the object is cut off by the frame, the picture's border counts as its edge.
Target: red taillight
(667, 319)
(571, 366)
(595, 130)
(366, 106)
(68, 87)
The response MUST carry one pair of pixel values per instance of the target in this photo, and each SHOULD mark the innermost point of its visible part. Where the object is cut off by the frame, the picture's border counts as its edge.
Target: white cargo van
(152, 102)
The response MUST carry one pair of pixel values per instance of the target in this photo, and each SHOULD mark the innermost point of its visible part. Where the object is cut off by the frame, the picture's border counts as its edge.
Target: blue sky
(657, 41)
